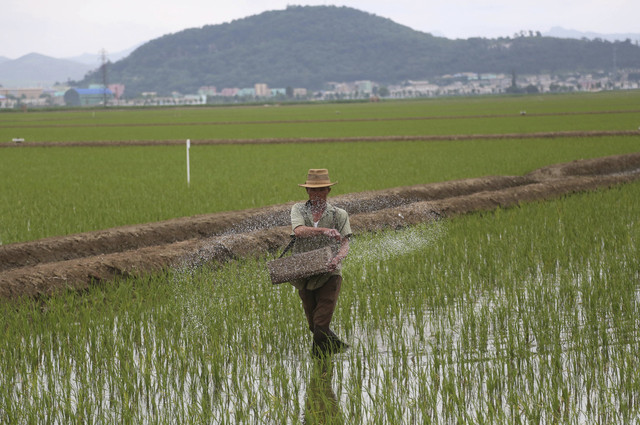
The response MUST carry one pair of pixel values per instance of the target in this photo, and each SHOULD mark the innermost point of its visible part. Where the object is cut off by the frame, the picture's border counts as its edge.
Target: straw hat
(318, 178)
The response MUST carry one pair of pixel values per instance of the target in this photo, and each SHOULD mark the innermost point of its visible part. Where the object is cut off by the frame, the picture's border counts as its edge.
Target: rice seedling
(525, 315)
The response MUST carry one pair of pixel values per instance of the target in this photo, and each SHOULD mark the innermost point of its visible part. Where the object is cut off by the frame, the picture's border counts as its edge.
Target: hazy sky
(65, 28)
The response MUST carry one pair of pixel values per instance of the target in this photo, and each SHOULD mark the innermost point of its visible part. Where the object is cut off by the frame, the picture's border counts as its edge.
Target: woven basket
(299, 266)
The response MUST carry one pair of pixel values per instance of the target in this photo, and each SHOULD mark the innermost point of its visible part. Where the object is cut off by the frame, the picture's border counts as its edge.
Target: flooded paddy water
(525, 315)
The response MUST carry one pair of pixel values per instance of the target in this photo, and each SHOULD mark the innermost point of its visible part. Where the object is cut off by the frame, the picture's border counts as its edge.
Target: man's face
(318, 193)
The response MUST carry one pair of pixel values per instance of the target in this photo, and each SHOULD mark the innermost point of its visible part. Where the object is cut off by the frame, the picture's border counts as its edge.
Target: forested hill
(307, 46)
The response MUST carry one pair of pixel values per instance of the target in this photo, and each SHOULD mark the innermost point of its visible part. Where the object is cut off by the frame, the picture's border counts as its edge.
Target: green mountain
(307, 46)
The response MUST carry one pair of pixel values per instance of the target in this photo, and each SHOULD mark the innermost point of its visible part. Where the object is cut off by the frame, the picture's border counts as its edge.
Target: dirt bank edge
(129, 238)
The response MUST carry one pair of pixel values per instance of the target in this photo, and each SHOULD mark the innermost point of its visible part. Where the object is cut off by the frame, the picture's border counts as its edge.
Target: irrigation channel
(540, 351)
(45, 266)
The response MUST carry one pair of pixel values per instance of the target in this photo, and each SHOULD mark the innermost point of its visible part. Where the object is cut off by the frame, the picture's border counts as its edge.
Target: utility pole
(615, 62)
(103, 57)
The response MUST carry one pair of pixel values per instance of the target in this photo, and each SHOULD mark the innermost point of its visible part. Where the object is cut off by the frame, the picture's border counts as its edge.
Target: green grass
(57, 191)
(524, 315)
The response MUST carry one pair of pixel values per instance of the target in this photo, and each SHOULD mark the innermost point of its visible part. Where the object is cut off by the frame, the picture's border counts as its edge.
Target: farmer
(317, 224)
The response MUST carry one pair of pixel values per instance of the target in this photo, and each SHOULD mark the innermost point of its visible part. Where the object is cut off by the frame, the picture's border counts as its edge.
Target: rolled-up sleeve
(344, 227)
(297, 219)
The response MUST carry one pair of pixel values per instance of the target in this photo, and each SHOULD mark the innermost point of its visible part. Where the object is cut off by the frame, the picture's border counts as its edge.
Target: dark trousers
(319, 306)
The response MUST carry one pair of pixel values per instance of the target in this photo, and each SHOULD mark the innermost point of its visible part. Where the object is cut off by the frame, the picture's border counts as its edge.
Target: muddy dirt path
(45, 266)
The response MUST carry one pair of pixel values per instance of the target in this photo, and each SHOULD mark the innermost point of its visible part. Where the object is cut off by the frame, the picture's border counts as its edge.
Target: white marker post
(188, 171)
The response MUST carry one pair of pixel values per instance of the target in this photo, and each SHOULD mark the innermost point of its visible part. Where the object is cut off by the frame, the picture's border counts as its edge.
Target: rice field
(499, 114)
(525, 315)
(59, 191)
(64, 190)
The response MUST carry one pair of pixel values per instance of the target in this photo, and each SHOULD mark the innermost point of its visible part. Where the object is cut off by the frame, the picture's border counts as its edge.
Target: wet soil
(48, 265)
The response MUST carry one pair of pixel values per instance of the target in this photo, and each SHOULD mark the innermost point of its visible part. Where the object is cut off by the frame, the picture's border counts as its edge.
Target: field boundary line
(413, 138)
(523, 114)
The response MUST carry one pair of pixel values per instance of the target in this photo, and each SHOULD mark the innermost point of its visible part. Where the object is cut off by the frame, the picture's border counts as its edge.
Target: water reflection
(322, 406)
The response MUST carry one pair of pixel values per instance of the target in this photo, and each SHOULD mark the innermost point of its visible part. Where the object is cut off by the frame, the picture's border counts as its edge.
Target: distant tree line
(308, 46)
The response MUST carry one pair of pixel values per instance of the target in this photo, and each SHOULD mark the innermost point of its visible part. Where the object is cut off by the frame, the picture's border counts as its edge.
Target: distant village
(462, 84)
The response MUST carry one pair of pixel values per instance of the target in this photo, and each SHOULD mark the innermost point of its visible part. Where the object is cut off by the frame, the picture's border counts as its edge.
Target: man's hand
(308, 232)
(332, 233)
(334, 263)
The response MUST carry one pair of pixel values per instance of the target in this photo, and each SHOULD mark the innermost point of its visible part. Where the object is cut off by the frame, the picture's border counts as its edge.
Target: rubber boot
(337, 345)
(325, 342)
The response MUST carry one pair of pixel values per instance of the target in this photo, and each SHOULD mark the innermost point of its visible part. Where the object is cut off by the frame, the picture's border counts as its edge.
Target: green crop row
(336, 129)
(58, 191)
(524, 315)
(483, 115)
